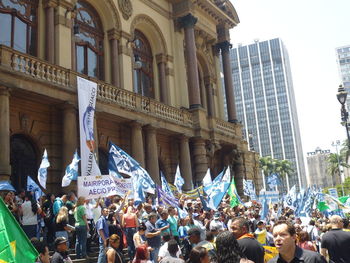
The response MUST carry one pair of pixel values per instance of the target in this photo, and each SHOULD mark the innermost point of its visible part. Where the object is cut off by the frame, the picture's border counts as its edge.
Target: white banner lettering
(87, 92)
(124, 185)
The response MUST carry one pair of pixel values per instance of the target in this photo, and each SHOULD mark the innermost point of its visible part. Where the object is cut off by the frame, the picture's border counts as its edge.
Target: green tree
(334, 161)
(267, 165)
(284, 168)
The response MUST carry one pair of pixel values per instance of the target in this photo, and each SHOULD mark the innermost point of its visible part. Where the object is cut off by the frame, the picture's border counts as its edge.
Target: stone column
(185, 163)
(161, 62)
(188, 22)
(152, 154)
(69, 137)
(200, 159)
(114, 37)
(210, 96)
(226, 64)
(5, 168)
(50, 32)
(137, 143)
(239, 172)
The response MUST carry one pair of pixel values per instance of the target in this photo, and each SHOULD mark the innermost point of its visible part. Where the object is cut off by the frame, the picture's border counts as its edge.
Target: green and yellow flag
(232, 192)
(15, 246)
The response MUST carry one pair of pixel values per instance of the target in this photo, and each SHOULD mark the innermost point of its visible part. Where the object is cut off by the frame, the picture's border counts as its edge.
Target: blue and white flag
(218, 190)
(207, 181)
(125, 164)
(5, 185)
(165, 186)
(114, 157)
(333, 192)
(273, 180)
(306, 206)
(182, 213)
(204, 201)
(42, 172)
(249, 189)
(164, 199)
(71, 171)
(219, 177)
(179, 181)
(264, 209)
(33, 187)
(291, 198)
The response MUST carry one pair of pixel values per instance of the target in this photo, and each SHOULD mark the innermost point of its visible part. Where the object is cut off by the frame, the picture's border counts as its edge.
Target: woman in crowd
(130, 223)
(304, 241)
(114, 226)
(112, 253)
(62, 226)
(142, 255)
(139, 237)
(29, 211)
(81, 228)
(10, 203)
(228, 250)
(198, 255)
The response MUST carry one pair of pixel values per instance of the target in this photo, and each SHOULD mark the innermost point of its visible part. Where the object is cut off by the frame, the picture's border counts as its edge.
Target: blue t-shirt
(182, 231)
(102, 224)
(162, 223)
(57, 205)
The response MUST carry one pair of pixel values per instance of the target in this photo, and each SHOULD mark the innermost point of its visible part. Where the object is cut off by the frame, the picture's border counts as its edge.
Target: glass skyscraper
(265, 103)
(343, 60)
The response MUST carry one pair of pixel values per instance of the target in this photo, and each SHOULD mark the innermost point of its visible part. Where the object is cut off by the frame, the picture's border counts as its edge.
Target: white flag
(71, 171)
(42, 172)
(207, 181)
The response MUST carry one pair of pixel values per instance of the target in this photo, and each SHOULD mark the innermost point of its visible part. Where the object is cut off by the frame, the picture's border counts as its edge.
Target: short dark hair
(141, 227)
(290, 228)
(242, 222)
(166, 237)
(40, 246)
(194, 231)
(172, 247)
(151, 215)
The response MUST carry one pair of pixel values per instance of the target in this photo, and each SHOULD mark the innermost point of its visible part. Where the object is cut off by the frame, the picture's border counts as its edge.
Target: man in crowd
(336, 242)
(284, 236)
(153, 236)
(41, 247)
(103, 234)
(61, 254)
(194, 238)
(251, 248)
(163, 223)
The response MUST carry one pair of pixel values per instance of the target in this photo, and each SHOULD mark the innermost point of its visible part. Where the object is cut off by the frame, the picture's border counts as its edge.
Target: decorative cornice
(50, 3)
(187, 21)
(113, 34)
(125, 7)
(161, 58)
(225, 46)
(160, 10)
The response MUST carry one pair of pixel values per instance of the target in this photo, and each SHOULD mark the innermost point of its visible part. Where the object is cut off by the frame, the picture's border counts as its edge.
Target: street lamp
(341, 96)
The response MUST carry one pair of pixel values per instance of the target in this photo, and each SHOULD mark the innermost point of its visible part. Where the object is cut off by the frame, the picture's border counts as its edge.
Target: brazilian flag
(15, 246)
(235, 200)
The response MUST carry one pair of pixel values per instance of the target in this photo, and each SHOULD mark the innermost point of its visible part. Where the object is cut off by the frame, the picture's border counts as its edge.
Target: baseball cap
(60, 240)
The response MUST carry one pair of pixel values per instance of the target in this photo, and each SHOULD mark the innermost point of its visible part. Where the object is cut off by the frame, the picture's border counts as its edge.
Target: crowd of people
(153, 233)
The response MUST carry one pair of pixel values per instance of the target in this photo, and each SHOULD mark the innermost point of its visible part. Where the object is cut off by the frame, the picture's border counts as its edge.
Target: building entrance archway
(23, 160)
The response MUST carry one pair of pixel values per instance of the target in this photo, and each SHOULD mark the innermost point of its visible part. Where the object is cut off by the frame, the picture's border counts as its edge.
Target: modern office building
(343, 61)
(265, 103)
(317, 166)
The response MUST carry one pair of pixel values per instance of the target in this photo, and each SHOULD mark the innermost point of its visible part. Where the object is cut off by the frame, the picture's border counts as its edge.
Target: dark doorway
(23, 160)
(103, 161)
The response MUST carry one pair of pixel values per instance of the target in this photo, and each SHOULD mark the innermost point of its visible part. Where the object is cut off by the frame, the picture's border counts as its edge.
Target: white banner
(87, 92)
(270, 195)
(333, 192)
(92, 187)
(123, 185)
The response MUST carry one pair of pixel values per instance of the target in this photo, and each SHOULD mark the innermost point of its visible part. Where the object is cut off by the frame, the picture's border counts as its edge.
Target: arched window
(23, 160)
(143, 76)
(18, 25)
(89, 46)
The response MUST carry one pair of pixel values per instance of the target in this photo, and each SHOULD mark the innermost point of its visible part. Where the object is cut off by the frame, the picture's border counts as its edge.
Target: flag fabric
(113, 158)
(15, 245)
(125, 164)
(5, 185)
(182, 213)
(218, 190)
(207, 179)
(291, 198)
(165, 185)
(203, 201)
(249, 189)
(306, 204)
(235, 200)
(71, 171)
(192, 194)
(264, 209)
(33, 187)
(164, 199)
(273, 180)
(219, 177)
(42, 172)
(333, 192)
(179, 181)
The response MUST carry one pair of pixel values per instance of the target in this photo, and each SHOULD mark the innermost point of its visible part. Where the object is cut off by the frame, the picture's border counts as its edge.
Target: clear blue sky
(311, 30)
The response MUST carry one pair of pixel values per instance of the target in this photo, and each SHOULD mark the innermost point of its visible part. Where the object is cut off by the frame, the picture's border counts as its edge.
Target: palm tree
(284, 169)
(334, 162)
(345, 151)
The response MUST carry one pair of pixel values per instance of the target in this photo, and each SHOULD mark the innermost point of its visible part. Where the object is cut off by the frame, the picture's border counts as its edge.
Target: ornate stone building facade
(157, 66)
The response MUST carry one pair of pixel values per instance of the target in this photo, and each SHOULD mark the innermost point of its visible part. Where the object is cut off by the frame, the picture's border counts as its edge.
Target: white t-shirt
(163, 251)
(28, 218)
(169, 259)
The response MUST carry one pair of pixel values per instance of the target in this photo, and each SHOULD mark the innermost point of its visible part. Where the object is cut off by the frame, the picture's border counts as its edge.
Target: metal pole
(336, 147)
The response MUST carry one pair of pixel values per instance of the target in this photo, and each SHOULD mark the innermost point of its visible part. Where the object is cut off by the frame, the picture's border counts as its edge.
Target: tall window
(18, 25)
(143, 76)
(89, 47)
